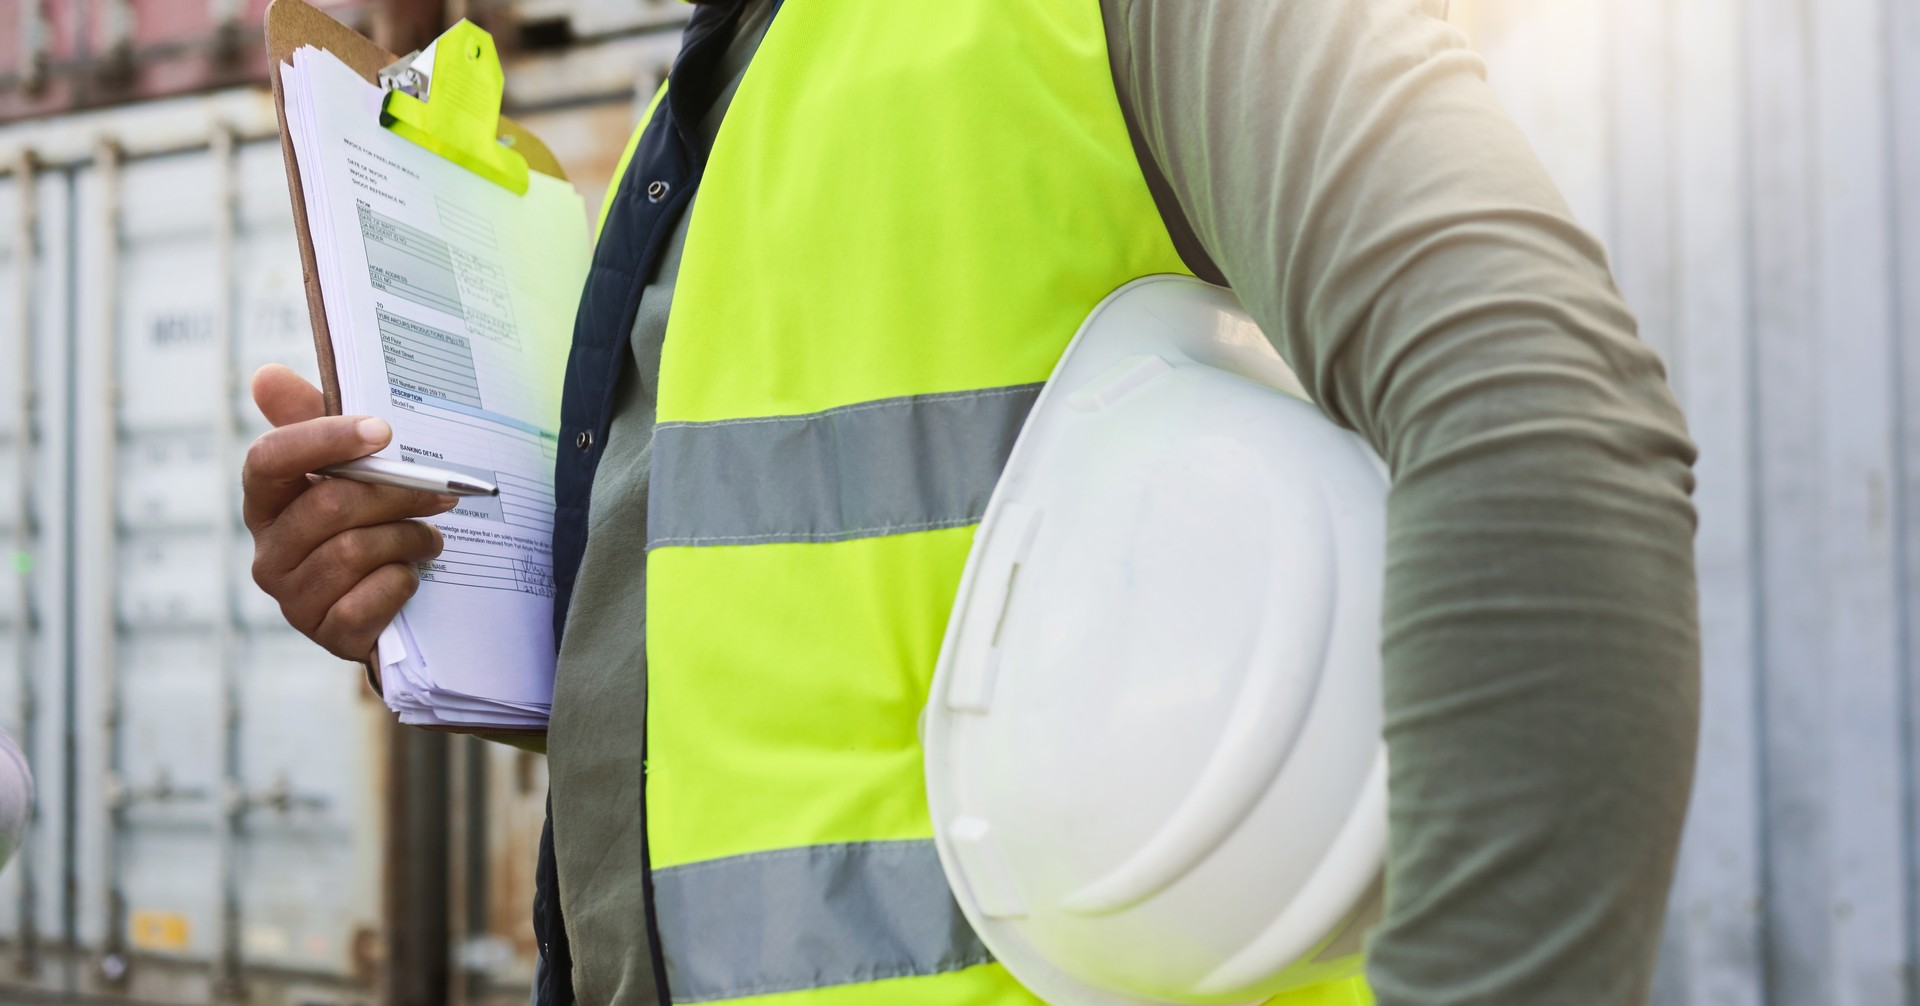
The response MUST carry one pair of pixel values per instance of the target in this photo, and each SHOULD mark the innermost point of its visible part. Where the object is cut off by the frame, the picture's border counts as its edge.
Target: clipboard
(291, 24)
(294, 23)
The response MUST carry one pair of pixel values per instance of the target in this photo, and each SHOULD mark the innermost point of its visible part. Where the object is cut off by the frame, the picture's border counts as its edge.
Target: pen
(407, 475)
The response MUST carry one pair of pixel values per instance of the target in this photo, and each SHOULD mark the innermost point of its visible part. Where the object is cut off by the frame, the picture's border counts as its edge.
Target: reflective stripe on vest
(895, 466)
(729, 920)
(890, 250)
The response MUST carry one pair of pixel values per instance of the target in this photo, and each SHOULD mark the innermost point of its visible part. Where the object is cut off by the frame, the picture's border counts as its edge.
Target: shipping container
(35, 273)
(226, 813)
(213, 788)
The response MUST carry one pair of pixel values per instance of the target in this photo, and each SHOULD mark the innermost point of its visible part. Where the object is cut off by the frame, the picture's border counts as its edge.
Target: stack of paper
(449, 301)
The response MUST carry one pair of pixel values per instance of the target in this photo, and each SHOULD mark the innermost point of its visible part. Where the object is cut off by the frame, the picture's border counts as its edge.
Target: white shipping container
(34, 494)
(225, 811)
(230, 779)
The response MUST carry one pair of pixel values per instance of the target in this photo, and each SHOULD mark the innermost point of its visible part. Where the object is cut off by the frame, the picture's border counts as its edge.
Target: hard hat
(1153, 742)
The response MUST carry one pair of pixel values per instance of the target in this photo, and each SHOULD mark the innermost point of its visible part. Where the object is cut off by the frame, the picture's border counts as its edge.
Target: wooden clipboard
(295, 23)
(291, 24)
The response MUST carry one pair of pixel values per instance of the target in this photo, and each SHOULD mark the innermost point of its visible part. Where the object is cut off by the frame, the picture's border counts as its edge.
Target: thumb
(285, 397)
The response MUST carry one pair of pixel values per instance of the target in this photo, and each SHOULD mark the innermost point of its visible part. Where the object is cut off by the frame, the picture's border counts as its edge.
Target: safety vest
(908, 211)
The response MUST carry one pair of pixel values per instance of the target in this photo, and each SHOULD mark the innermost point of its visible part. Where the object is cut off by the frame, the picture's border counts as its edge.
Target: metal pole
(460, 785)
(230, 812)
(70, 629)
(26, 259)
(417, 869)
(113, 956)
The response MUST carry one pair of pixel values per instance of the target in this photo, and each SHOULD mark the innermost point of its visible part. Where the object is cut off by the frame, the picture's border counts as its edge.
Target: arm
(338, 555)
(1346, 169)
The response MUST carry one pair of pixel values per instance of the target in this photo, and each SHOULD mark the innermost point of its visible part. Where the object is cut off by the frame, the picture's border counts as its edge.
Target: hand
(338, 555)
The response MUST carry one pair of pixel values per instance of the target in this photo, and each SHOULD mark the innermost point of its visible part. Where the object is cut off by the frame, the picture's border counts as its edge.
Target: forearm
(1347, 170)
(1540, 644)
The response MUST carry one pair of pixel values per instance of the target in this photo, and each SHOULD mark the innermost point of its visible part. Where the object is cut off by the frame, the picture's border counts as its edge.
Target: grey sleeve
(1345, 168)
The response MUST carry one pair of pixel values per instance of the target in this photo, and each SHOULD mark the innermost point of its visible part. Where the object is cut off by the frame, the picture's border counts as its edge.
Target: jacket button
(656, 191)
(584, 440)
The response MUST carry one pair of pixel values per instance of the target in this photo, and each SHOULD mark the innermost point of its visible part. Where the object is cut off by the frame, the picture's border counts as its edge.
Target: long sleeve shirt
(1343, 166)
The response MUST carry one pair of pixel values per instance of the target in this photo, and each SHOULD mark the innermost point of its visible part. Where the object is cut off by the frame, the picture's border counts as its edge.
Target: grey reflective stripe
(808, 918)
(885, 467)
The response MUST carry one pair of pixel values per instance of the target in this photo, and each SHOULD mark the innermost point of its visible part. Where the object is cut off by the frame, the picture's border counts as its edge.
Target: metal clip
(401, 76)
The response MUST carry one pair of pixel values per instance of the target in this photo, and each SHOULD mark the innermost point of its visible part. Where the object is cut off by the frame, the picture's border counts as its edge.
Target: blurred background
(226, 814)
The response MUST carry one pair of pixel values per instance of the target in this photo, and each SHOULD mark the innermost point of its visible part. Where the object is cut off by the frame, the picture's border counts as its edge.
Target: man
(905, 216)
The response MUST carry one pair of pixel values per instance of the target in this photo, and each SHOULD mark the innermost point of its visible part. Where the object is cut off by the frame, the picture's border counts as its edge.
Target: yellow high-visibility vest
(908, 210)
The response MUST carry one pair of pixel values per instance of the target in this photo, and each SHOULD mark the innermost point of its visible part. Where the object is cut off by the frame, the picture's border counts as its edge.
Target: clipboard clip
(400, 75)
(451, 106)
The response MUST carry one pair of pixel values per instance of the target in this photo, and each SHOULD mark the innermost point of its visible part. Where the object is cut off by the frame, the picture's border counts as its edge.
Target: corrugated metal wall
(33, 451)
(211, 786)
(1754, 166)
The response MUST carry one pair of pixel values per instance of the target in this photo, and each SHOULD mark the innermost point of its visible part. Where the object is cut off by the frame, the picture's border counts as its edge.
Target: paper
(450, 304)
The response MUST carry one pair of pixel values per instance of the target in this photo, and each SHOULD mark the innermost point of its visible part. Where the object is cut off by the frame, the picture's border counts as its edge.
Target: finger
(336, 505)
(285, 397)
(326, 510)
(355, 621)
(275, 473)
(337, 566)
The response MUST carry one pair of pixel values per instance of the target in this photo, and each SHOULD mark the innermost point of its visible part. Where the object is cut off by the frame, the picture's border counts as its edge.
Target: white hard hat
(1153, 744)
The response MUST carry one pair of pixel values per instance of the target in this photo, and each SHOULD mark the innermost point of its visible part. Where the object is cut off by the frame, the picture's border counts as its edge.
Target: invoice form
(450, 303)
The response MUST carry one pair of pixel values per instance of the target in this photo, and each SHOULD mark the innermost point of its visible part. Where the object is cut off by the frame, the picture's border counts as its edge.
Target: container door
(232, 780)
(34, 334)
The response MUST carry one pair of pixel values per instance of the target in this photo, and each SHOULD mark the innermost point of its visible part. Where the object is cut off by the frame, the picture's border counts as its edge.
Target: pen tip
(472, 488)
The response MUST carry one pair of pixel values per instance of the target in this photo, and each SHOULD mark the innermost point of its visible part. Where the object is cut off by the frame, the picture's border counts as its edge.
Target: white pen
(407, 475)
